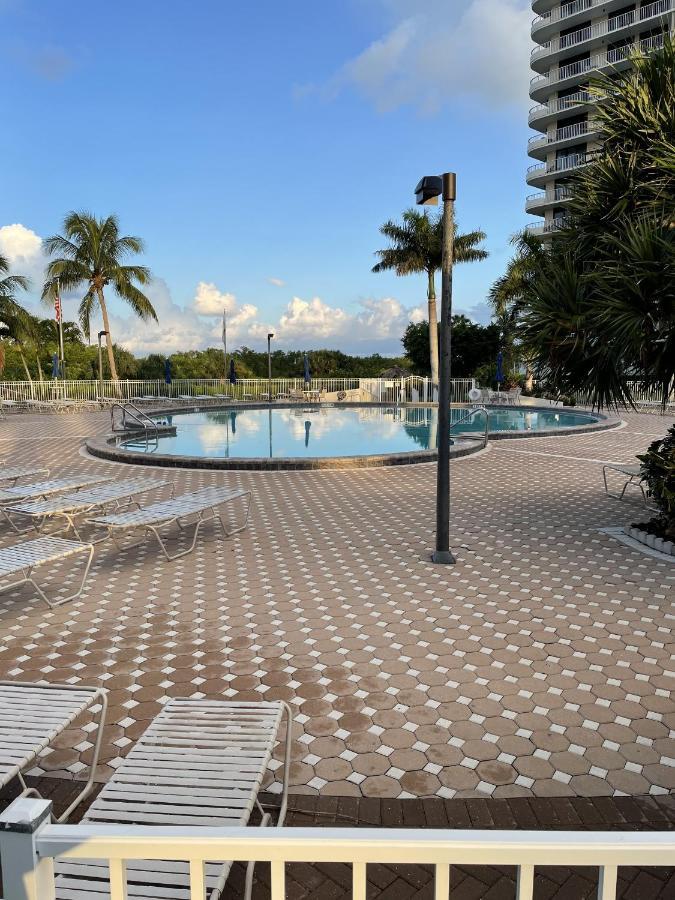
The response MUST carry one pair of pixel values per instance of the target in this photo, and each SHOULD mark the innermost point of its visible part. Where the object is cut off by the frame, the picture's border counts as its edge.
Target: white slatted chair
(10, 496)
(632, 475)
(200, 763)
(200, 506)
(22, 559)
(13, 473)
(70, 506)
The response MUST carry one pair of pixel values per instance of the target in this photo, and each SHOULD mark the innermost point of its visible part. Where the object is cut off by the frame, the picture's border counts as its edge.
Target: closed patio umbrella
(167, 371)
(233, 374)
(55, 365)
(500, 369)
(308, 373)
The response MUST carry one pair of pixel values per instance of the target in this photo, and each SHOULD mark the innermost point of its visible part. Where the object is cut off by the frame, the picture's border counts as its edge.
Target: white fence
(384, 390)
(29, 846)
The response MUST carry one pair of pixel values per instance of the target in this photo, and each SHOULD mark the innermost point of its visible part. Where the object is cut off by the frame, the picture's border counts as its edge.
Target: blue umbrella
(167, 371)
(233, 374)
(308, 425)
(500, 368)
(55, 366)
(308, 374)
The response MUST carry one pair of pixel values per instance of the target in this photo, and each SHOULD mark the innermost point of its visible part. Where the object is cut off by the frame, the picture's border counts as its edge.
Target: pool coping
(107, 446)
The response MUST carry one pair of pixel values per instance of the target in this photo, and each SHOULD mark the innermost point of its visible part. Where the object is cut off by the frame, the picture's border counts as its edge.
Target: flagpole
(225, 338)
(59, 319)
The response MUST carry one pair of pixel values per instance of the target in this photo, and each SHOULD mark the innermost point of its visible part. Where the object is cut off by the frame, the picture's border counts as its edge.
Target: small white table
(32, 715)
(312, 396)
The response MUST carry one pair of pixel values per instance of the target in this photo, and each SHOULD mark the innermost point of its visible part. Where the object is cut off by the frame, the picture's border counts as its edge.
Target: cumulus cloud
(431, 56)
(209, 301)
(277, 282)
(22, 248)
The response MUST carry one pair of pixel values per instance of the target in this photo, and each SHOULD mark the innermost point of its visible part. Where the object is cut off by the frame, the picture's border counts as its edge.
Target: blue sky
(257, 147)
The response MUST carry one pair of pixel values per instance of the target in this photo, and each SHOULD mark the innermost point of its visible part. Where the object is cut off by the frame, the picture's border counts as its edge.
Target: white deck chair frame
(98, 695)
(632, 476)
(31, 555)
(200, 758)
(69, 507)
(141, 520)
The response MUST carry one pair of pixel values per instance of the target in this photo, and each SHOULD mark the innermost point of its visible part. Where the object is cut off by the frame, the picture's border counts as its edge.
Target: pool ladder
(140, 422)
(470, 415)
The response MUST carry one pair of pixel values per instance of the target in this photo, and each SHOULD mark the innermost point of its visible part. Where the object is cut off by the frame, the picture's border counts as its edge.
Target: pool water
(333, 431)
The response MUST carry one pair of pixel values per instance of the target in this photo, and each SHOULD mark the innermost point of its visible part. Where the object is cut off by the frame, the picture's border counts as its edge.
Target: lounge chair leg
(87, 789)
(54, 603)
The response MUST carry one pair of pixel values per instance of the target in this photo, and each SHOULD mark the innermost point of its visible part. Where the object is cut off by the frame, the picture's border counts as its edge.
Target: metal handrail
(469, 415)
(136, 415)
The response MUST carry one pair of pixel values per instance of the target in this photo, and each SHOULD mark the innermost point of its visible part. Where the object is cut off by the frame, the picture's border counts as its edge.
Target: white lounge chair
(13, 473)
(200, 763)
(632, 478)
(24, 558)
(71, 506)
(176, 511)
(9, 496)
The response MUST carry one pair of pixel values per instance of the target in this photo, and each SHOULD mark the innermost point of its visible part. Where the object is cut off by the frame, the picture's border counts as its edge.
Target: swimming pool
(297, 433)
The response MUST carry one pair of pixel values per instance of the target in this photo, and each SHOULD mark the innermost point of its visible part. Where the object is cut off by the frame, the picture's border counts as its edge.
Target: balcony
(539, 146)
(615, 28)
(551, 227)
(578, 72)
(539, 175)
(544, 113)
(537, 204)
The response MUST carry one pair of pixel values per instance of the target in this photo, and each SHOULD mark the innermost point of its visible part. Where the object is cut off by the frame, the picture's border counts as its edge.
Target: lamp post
(427, 193)
(269, 368)
(100, 362)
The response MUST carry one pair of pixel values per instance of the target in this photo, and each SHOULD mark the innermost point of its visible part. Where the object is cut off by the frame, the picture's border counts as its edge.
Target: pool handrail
(469, 415)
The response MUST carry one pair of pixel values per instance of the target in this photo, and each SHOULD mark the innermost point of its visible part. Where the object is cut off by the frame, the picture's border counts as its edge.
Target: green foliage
(658, 470)
(473, 346)
(598, 308)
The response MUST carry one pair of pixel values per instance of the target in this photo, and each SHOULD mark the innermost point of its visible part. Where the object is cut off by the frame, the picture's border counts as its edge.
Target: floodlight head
(428, 190)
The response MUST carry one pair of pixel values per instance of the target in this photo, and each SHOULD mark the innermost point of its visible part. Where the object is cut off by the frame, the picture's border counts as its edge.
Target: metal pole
(269, 368)
(443, 554)
(61, 351)
(100, 366)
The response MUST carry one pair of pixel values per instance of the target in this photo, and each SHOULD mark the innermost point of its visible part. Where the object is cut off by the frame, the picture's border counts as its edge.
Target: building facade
(576, 41)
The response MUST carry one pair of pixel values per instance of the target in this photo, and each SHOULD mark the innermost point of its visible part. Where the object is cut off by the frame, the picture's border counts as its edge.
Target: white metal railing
(599, 61)
(29, 848)
(565, 133)
(601, 29)
(571, 9)
(562, 164)
(559, 104)
(558, 195)
(382, 390)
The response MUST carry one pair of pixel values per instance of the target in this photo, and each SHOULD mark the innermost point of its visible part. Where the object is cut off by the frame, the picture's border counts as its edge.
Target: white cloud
(474, 50)
(23, 250)
(209, 301)
(277, 282)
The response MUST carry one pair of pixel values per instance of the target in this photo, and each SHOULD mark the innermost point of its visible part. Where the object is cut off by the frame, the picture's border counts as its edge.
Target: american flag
(57, 308)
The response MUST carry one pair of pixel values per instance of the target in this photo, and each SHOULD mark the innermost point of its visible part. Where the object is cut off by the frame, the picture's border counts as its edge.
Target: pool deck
(540, 665)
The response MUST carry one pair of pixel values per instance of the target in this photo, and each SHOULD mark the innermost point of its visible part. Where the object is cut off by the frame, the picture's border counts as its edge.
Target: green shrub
(658, 471)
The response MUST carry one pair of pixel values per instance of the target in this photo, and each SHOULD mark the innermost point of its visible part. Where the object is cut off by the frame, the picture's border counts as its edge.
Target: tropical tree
(91, 253)
(11, 311)
(416, 245)
(598, 309)
(508, 296)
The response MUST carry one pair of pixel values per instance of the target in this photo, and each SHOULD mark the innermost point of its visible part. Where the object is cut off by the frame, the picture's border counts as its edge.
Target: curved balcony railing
(560, 13)
(543, 198)
(559, 105)
(566, 133)
(560, 165)
(599, 61)
(602, 29)
(549, 227)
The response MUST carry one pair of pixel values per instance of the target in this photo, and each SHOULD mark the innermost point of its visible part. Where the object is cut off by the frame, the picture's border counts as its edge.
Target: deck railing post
(25, 875)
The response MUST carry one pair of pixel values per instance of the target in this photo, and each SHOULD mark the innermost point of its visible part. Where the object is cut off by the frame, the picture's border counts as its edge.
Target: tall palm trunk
(39, 365)
(25, 368)
(433, 328)
(108, 341)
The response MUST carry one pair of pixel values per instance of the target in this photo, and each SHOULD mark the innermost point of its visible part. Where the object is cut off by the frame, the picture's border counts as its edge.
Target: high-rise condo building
(576, 41)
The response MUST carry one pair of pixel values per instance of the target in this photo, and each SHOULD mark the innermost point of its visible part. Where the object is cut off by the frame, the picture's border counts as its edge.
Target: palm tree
(508, 296)
(417, 246)
(91, 252)
(11, 312)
